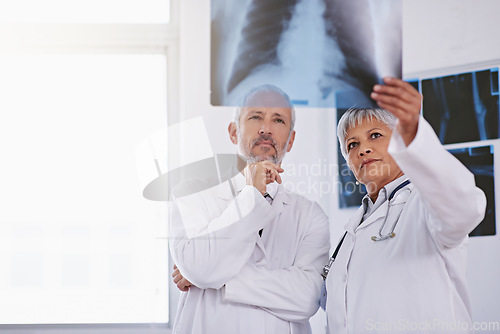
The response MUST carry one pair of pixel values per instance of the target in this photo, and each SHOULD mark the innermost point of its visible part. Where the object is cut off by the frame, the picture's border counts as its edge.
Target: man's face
(366, 147)
(264, 128)
(263, 134)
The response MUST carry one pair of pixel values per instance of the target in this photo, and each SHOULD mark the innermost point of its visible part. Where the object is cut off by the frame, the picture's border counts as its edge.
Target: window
(78, 241)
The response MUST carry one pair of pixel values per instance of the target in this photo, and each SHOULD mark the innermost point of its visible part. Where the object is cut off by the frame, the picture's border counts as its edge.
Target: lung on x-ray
(322, 53)
(463, 107)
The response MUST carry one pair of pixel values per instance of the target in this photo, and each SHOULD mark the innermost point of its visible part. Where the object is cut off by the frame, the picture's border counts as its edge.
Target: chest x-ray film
(323, 53)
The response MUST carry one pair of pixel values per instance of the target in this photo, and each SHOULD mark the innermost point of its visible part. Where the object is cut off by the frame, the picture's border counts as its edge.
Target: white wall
(447, 33)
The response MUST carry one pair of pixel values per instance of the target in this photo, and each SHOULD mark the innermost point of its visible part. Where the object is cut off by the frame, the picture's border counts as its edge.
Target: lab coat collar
(377, 212)
(275, 190)
(282, 198)
(383, 194)
(272, 189)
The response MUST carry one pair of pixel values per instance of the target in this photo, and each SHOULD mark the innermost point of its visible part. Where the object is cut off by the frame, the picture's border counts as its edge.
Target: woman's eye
(375, 135)
(351, 145)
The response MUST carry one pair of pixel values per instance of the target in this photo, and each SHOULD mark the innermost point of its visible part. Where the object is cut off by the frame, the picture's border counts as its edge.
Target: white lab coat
(245, 283)
(415, 282)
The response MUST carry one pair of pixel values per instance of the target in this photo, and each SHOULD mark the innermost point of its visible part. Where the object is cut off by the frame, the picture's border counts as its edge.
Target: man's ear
(290, 142)
(232, 133)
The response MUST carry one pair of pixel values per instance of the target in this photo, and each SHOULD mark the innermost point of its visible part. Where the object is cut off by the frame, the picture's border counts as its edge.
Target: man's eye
(375, 135)
(351, 145)
(279, 120)
(255, 117)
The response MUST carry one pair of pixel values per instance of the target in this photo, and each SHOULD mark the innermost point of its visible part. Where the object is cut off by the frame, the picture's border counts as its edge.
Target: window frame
(105, 38)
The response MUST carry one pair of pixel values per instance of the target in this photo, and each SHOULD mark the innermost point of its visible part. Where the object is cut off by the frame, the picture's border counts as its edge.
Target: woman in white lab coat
(401, 266)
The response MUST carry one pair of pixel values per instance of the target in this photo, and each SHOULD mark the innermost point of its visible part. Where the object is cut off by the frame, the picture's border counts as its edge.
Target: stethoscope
(380, 237)
(391, 234)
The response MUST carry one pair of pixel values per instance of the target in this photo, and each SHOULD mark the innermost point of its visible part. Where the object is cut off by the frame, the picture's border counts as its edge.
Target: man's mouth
(265, 142)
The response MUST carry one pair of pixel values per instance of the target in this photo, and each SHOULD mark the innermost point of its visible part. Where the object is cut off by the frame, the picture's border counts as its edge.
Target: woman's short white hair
(264, 88)
(355, 116)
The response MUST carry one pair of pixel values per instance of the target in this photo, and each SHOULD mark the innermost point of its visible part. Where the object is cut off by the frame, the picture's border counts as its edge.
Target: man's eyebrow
(280, 115)
(255, 112)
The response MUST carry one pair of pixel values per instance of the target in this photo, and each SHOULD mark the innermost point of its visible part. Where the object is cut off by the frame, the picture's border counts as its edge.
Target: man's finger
(278, 179)
(269, 165)
(183, 285)
(177, 279)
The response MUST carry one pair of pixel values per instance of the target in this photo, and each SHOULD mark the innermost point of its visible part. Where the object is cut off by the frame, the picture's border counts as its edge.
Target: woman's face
(367, 156)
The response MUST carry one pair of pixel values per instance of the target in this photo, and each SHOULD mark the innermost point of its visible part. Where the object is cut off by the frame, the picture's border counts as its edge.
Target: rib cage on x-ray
(313, 49)
(264, 23)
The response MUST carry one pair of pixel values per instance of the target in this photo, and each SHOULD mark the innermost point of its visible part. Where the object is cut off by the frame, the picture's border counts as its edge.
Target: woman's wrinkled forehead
(366, 121)
(357, 121)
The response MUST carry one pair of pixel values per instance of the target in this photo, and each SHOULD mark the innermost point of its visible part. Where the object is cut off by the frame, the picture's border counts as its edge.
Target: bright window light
(85, 11)
(78, 241)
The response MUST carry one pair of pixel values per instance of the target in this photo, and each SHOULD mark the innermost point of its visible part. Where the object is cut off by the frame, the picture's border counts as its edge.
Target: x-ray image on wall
(479, 160)
(323, 53)
(463, 107)
(414, 83)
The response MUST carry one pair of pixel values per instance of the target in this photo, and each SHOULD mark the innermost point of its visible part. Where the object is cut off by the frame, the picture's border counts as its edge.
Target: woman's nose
(364, 151)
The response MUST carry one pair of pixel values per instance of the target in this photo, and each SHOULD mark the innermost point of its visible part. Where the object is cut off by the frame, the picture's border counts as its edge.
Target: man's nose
(265, 129)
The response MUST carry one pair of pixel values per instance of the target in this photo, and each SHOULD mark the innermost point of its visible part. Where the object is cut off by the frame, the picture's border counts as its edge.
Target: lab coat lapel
(378, 214)
(397, 205)
(353, 222)
(281, 199)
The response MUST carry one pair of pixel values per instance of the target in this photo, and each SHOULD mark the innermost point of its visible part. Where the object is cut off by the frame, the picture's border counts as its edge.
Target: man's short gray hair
(264, 88)
(355, 116)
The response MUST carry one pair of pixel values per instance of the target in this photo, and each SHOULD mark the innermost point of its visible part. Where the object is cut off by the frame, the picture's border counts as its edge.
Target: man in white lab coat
(402, 265)
(248, 253)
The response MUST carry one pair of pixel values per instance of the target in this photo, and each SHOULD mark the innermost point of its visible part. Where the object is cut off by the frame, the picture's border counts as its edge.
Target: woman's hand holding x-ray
(403, 101)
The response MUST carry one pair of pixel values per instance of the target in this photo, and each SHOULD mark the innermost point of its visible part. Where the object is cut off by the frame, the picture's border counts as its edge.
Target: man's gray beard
(252, 158)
